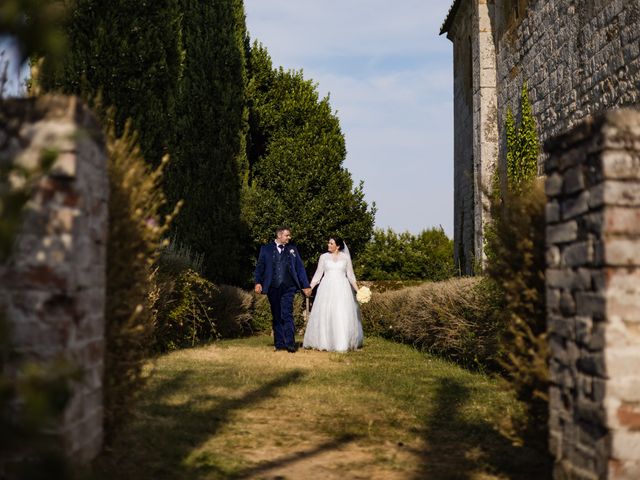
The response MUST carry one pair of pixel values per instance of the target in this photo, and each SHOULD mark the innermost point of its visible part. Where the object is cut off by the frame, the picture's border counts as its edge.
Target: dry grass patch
(238, 410)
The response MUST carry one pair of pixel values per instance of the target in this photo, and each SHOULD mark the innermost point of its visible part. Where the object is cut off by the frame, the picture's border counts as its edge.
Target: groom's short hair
(282, 228)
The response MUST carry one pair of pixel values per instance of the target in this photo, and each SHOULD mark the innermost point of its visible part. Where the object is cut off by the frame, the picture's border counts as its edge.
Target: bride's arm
(351, 275)
(319, 272)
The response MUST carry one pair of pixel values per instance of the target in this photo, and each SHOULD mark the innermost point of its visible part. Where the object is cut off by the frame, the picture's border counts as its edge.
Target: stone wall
(593, 297)
(54, 286)
(578, 58)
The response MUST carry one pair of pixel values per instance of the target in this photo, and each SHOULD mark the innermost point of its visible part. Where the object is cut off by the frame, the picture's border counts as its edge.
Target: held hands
(307, 292)
(258, 288)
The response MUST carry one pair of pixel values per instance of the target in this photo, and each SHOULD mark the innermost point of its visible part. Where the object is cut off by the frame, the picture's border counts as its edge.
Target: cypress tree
(210, 160)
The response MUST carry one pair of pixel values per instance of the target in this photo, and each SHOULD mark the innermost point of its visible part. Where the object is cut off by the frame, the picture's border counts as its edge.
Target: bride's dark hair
(338, 240)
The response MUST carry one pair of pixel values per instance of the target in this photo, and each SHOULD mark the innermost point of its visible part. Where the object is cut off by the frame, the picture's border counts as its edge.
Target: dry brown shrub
(453, 318)
(516, 247)
(136, 230)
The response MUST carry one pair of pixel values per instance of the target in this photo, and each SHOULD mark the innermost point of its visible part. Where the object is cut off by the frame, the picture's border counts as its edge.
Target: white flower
(363, 295)
(292, 252)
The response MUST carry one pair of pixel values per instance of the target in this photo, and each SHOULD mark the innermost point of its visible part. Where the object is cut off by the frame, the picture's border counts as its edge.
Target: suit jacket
(266, 260)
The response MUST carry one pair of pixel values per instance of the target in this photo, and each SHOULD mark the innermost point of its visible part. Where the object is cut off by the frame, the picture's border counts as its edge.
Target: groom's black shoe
(292, 349)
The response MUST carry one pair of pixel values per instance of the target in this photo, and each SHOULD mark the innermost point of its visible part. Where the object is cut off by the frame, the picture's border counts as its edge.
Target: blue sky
(389, 76)
(15, 76)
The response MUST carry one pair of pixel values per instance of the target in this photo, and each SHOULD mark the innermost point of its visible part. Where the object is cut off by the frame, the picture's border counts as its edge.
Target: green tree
(209, 164)
(128, 52)
(296, 150)
(404, 256)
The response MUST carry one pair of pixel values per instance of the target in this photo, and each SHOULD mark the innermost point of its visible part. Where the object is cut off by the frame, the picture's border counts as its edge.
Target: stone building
(577, 57)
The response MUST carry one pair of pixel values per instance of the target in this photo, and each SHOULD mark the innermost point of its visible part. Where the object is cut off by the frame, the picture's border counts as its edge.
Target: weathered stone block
(622, 220)
(621, 193)
(578, 254)
(622, 252)
(625, 445)
(591, 304)
(621, 164)
(623, 361)
(553, 257)
(562, 233)
(573, 179)
(553, 185)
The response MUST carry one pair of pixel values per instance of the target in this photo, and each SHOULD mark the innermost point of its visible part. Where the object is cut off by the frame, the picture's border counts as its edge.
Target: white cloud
(347, 27)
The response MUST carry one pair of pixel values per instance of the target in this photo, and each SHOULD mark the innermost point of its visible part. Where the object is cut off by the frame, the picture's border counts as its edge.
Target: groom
(280, 274)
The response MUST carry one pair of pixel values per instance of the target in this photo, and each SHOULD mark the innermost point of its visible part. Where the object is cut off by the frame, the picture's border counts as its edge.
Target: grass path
(237, 409)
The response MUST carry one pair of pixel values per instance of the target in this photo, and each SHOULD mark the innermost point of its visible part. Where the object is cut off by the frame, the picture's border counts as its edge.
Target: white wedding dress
(334, 323)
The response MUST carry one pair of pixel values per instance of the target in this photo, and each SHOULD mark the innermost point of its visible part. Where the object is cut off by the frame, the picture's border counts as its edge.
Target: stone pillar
(593, 297)
(53, 288)
(485, 120)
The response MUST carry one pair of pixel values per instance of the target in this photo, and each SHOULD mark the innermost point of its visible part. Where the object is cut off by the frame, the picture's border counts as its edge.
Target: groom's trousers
(281, 301)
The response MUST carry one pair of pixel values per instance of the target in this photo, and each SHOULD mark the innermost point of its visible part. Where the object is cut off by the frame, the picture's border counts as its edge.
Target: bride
(334, 323)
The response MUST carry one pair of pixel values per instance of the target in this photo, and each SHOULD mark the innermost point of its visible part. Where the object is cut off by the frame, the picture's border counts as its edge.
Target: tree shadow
(175, 429)
(460, 449)
(264, 468)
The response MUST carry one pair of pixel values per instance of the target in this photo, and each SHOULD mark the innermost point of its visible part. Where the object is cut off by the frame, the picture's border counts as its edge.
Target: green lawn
(236, 409)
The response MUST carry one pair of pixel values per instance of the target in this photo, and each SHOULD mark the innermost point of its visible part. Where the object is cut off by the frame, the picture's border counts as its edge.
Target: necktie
(281, 248)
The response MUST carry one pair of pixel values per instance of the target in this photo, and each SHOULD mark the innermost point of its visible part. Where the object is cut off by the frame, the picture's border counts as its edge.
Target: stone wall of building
(463, 167)
(578, 58)
(593, 297)
(53, 288)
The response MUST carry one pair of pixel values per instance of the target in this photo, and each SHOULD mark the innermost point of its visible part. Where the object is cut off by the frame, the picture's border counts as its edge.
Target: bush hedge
(454, 318)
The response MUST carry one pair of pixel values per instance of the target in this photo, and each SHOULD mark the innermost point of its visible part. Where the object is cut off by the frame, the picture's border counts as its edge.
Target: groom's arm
(259, 271)
(302, 273)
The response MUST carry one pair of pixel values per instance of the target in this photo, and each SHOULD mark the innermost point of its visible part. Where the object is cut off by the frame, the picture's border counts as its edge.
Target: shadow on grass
(460, 449)
(263, 468)
(165, 433)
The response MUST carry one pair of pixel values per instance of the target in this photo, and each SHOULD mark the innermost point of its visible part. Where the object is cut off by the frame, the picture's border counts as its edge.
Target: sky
(389, 75)
(13, 83)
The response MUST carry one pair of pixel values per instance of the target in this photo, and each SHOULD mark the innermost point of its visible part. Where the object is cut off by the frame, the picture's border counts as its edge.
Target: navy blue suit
(281, 276)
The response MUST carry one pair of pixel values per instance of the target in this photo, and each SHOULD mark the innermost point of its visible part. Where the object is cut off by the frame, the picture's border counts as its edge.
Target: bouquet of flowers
(363, 295)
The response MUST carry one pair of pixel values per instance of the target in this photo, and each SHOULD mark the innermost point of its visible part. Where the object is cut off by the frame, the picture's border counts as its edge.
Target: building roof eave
(446, 25)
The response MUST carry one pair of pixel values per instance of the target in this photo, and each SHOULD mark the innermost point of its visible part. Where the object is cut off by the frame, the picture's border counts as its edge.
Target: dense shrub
(453, 318)
(404, 256)
(136, 230)
(181, 311)
(188, 309)
(211, 124)
(515, 246)
(517, 269)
